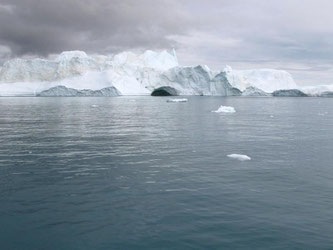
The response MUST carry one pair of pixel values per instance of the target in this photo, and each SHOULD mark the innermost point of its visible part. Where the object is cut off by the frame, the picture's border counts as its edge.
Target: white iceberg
(225, 109)
(239, 157)
(178, 100)
(132, 74)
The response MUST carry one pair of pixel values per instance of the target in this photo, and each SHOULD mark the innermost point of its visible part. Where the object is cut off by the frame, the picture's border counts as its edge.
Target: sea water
(142, 173)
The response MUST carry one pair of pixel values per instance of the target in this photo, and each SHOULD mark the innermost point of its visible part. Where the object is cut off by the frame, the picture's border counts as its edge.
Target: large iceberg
(128, 73)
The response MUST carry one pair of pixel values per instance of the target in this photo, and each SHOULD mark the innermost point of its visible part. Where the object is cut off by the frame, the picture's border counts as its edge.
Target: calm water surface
(141, 173)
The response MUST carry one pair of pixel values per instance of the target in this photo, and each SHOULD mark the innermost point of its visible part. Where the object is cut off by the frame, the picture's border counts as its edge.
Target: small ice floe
(271, 116)
(239, 157)
(225, 109)
(94, 106)
(177, 100)
(150, 182)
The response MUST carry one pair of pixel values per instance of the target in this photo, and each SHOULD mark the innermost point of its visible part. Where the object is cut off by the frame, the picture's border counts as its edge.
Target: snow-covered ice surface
(225, 109)
(239, 157)
(178, 100)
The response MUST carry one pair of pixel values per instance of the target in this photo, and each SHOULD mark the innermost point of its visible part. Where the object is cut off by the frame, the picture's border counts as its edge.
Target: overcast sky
(295, 35)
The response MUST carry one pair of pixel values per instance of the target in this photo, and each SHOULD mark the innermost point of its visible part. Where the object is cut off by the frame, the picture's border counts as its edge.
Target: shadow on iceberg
(289, 93)
(62, 91)
(165, 91)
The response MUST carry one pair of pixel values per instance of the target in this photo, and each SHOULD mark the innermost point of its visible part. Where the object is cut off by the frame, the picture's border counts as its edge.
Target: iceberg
(225, 109)
(149, 73)
(239, 157)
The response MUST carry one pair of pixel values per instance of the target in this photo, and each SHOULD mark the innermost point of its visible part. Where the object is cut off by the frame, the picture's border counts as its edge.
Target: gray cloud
(287, 34)
(48, 26)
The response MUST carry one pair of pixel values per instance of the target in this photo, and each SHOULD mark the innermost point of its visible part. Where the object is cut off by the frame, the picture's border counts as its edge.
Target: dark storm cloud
(49, 26)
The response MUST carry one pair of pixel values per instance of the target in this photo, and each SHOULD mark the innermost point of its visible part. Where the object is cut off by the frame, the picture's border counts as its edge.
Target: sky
(292, 35)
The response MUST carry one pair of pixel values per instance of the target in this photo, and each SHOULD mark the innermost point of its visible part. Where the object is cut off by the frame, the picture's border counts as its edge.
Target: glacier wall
(132, 74)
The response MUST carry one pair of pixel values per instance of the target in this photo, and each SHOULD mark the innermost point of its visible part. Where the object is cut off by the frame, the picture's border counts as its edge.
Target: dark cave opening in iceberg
(165, 91)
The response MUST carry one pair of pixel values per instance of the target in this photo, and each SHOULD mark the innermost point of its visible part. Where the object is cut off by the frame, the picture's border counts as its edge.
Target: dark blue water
(141, 173)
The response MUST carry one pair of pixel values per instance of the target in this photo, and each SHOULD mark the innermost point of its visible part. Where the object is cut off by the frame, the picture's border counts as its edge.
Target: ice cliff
(132, 74)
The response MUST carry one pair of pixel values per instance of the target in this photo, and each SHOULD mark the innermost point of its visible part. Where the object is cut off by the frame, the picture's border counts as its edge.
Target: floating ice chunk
(94, 106)
(239, 157)
(177, 100)
(225, 109)
(150, 182)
